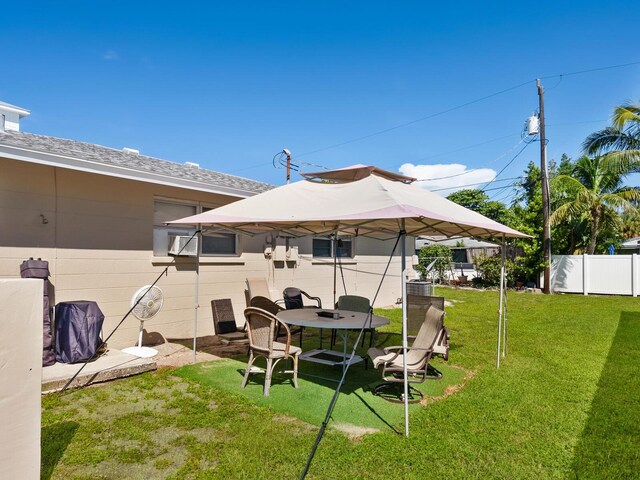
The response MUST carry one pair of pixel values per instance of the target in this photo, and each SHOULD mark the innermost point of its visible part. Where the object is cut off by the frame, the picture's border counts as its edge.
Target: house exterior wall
(97, 234)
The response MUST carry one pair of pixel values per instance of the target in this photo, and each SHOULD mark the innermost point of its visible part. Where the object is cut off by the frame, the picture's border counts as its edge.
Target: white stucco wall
(20, 377)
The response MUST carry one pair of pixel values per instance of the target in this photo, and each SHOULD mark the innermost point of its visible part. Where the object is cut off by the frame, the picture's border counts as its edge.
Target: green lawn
(564, 404)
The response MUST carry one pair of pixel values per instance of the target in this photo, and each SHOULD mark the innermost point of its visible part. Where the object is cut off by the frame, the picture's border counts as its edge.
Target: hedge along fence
(596, 274)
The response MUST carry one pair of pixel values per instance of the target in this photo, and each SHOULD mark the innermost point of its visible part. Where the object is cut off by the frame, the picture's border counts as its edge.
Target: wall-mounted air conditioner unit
(180, 245)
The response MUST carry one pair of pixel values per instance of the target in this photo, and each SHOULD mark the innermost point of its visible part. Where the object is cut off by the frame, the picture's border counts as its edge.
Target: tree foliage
(478, 201)
(527, 218)
(593, 196)
(591, 205)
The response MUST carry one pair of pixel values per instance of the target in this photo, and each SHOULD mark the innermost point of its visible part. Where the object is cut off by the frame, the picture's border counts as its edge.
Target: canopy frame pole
(403, 268)
(196, 301)
(500, 310)
(334, 244)
(505, 346)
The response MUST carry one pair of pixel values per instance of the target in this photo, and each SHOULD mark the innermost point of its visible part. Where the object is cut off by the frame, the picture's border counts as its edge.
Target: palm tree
(594, 193)
(619, 143)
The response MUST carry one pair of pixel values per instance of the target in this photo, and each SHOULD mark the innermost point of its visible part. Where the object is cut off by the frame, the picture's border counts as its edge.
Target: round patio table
(346, 320)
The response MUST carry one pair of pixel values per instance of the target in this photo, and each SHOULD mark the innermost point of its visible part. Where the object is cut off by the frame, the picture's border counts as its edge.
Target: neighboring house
(97, 215)
(463, 251)
(629, 246)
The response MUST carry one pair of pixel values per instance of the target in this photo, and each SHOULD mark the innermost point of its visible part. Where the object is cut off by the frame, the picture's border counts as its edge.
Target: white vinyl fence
(598, 274)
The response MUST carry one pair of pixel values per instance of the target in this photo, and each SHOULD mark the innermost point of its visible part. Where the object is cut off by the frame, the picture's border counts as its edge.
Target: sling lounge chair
(418, 357)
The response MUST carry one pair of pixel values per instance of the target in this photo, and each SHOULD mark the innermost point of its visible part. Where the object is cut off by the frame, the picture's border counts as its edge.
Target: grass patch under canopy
(357, 409)
(564, 404)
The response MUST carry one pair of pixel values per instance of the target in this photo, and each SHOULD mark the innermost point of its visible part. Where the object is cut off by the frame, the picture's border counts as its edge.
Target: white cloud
(450, 176)
(110, 55)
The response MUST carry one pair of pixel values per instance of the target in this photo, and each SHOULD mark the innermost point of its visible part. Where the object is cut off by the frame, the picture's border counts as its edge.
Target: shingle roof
(131, 161)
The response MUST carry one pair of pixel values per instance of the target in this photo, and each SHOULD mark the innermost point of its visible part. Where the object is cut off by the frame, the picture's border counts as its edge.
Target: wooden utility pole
(288, 154)
(546, 242)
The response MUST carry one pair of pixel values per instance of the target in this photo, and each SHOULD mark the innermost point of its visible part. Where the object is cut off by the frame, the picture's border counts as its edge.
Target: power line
(598, 69)
(474, 169)
(513, 184)
(508, 163)
(500, 196)
(443, 154)
(514, 87)
(457, 107)
(406, 124)
(473, 184)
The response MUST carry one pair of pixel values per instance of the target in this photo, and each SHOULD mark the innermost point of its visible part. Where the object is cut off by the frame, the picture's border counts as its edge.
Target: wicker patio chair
(273, 308)
(418, 356)
(261, 326)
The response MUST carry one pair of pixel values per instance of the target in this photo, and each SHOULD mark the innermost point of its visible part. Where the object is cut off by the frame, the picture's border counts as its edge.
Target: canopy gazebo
(360, 201)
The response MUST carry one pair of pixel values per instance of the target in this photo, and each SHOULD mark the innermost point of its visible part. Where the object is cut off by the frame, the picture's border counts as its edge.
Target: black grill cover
(40, 269)
(78, 326)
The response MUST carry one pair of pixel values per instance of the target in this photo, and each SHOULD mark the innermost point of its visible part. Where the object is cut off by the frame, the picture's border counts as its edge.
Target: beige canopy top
(357, 172)
(370, 206)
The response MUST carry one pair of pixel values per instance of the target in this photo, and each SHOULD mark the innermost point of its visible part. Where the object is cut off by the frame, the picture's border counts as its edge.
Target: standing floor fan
(146, 303)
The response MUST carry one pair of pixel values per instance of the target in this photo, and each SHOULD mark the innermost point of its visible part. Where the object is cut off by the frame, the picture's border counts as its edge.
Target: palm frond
(626, 115)
(610, 139)
(616, 201)
(631, 195)
(566, 183)
(622, 162)
(566, 212)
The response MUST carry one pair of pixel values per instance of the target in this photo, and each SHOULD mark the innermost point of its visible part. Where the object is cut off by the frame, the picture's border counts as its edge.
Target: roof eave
(12, 108)
(72, 163)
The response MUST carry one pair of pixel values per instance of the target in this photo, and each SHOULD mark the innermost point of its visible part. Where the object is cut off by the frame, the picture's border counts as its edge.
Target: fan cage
(147, 302)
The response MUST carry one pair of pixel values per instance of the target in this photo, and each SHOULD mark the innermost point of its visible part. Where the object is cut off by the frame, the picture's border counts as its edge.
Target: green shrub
(488, 268)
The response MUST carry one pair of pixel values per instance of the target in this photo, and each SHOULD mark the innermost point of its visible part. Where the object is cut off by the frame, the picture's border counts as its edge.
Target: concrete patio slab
(113, 364)
(117, 364)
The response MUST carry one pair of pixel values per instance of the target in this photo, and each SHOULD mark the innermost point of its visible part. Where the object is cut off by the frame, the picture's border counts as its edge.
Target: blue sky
(228, 86)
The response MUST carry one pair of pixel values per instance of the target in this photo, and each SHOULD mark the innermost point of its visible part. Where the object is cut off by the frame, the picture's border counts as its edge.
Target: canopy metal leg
(500, 310)
(403, 263)
(196, 295)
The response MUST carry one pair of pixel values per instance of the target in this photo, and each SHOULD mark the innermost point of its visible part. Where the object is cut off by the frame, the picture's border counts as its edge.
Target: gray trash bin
(40, 269)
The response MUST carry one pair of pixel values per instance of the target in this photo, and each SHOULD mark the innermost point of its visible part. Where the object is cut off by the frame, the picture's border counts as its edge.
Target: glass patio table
(342, 321)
